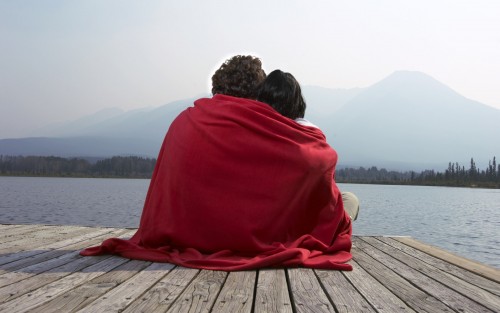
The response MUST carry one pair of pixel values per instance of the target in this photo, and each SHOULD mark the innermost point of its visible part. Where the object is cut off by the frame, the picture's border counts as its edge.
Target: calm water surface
(465, 221)
(72, 201)
(462, 220)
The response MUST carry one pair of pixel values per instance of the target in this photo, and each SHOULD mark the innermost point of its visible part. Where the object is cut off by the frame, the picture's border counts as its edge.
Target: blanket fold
(237, 186)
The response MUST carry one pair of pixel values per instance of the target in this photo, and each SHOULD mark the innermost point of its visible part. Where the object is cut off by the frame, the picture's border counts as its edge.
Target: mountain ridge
(408, 120)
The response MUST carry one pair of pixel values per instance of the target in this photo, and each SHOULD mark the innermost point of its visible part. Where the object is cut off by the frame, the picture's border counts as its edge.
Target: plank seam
(218, 292)
(290, 293)
(411, 282)
(388, 287)
(441, 260)
(325, 291)
(130, 278)
(59, 248)
(445, 259)
(182, 291)
(450, 286)
(359, 291)
(255, 290)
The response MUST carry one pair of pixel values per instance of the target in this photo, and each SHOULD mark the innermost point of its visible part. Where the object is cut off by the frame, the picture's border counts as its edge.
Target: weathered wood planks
(272, 292)
(41, 271)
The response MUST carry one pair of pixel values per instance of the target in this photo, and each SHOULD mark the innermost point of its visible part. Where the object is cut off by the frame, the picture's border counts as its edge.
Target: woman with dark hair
(282, 92)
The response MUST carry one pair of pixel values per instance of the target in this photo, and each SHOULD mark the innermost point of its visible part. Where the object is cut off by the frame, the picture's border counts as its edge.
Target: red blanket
(238, 186)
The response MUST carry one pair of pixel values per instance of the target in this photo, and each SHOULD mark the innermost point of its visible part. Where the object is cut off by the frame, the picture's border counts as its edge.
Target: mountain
(322, 101)
(137, 132)
(78, 126)
(85, 146)
(411, 118)
(406, 121)
(148, 123)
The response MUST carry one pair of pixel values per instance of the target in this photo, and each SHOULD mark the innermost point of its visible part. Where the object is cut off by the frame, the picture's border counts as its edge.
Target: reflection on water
(462, 220)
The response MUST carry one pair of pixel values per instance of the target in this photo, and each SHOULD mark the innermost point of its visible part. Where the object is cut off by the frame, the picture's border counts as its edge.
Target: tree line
(455, 175)
(120, 167)
(138, 167)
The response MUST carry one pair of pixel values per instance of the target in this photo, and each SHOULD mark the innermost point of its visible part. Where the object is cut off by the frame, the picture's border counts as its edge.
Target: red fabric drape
(238, 186)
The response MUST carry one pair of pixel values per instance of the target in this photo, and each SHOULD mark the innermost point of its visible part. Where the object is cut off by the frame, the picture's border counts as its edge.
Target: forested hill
(137, 167)
(51, 166)
(455, 175)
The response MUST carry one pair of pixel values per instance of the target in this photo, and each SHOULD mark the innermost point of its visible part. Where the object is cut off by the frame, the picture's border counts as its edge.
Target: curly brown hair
(239, 76)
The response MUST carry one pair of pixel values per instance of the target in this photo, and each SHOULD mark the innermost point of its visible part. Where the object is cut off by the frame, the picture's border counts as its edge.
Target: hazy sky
(60, 60)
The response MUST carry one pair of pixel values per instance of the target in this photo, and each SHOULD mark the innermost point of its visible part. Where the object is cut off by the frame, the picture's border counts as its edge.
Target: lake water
(465, 221)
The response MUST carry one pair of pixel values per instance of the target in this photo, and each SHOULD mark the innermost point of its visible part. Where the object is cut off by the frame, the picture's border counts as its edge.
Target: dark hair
(282, 91)
(239, 76)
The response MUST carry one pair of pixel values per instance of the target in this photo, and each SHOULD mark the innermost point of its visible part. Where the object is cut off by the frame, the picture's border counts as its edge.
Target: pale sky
(60, 60)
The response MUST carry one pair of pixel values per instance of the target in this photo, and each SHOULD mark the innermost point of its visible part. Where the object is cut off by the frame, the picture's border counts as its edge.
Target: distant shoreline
(75, 176)
(132, 167)
(486, 186)
(476, 185)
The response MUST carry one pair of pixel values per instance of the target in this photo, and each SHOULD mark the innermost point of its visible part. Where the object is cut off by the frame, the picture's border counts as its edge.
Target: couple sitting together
(243, 181)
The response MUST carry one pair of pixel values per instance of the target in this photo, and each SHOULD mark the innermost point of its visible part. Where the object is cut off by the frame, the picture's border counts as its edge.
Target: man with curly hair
(238, 186)
(239, 76)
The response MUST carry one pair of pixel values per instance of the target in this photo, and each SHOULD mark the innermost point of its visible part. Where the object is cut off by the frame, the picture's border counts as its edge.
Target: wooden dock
(41, 271)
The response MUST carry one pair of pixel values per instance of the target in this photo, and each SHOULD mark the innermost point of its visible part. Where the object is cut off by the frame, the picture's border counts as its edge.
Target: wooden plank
(19, 234)
(414, 297)
(450, 268)
(200, 294)
(388, 276)
(27, 285)
(10, 226)
(16, 226)
(46, 235)
(22, 252)
(17, 289)
(466, 287)
(343, 294)
(161, 296)
(381, 298)
(41, 295)
(11, 277)
(11, 233)
(272, 292)
(121, 296)
(81, 296)
(475, 267)
(237, 294)
(307, 294)
(16, 261)
(438, 290)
